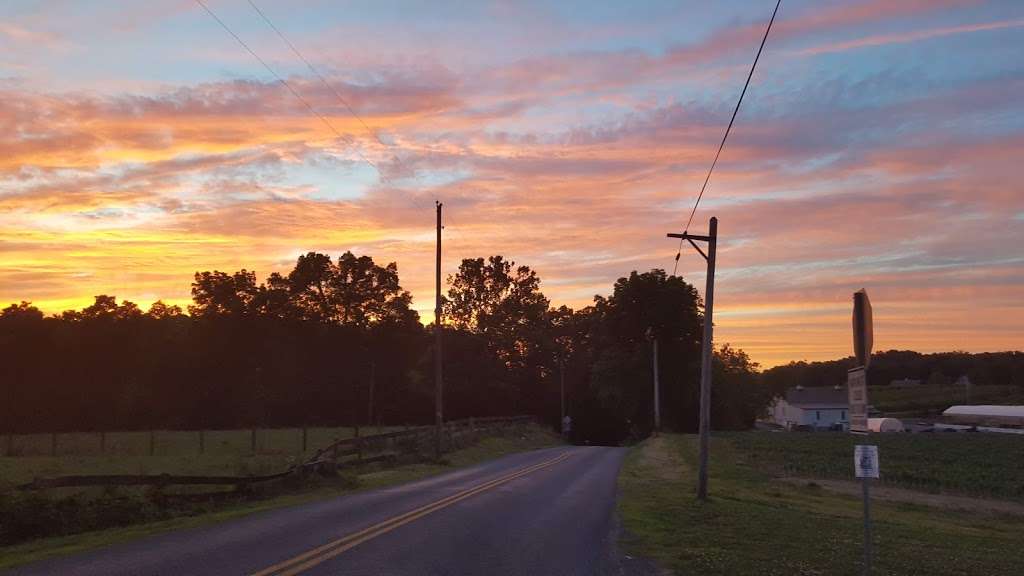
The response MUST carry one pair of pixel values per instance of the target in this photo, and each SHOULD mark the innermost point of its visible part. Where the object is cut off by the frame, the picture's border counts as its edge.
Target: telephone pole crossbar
(706, 349)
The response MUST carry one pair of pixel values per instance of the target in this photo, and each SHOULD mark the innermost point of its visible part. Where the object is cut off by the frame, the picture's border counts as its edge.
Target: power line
(383, 176)
(376, 136)
(337, 94)
(285, 83)
(316, 73)
(726, 135)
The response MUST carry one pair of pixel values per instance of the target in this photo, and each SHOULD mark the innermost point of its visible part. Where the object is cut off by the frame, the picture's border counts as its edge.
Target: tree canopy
(336, 341)
(939, 369)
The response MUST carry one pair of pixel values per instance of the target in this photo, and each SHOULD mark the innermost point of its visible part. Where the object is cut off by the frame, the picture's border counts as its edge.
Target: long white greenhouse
(985, 414)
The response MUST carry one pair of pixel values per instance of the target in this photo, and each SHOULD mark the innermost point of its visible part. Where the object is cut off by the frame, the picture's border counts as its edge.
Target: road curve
(548, 511)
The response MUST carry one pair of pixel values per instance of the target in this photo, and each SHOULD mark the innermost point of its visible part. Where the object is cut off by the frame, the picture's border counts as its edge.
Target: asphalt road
(547, 511)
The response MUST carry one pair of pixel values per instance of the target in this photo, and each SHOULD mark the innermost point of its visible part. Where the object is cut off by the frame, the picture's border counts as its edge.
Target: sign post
(865, 457)
(865, 461)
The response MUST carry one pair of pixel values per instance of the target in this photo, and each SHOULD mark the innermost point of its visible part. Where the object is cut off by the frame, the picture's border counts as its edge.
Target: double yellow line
(323, 553)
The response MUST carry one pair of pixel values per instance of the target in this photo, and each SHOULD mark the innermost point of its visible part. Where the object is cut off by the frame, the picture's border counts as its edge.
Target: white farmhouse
(818, 407)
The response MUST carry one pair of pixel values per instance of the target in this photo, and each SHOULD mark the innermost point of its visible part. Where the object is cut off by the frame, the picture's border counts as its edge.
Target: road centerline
(320, 554)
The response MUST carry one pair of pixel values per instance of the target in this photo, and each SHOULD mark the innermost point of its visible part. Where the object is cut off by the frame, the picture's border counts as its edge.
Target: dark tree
(336, 342)
(503, 304)
(621, 375)
(220, 294)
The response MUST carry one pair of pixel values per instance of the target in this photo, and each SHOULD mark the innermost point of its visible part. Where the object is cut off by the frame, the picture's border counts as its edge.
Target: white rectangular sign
(865, 461)
(857, 390)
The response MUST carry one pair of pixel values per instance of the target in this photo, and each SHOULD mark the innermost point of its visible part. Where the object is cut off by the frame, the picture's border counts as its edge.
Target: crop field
(984, 465)
(754, 524)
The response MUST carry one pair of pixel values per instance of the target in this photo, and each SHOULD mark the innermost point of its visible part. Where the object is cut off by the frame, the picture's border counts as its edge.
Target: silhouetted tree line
(336, 342)
(941, 368)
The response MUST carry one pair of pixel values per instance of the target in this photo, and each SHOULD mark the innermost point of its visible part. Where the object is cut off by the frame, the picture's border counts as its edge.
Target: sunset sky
(880, 145)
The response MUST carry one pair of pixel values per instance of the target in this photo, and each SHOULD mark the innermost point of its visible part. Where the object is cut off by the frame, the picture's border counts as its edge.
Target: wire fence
(247, 441)
(341, 453)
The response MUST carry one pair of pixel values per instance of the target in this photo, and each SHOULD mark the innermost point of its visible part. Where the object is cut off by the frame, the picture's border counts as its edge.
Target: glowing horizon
(877, 148)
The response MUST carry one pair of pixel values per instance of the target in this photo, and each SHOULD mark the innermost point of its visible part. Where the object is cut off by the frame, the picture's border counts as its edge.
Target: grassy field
(152, 519)
(984, 465)
(754, 524)
(931, 400)
(178, 442)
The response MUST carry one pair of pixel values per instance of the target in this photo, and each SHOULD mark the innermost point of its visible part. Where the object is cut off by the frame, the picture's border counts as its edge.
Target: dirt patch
(663, 462)
(891, 494)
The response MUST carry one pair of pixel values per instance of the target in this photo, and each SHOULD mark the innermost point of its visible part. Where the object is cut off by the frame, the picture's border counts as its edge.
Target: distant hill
(995, 377)
(932, 400)
(939, 369)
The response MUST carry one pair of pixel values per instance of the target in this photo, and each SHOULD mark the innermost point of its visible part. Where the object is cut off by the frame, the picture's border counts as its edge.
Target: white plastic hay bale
(885, 425)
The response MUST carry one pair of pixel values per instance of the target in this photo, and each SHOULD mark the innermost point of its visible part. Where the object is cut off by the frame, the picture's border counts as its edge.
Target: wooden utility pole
(706, 349)
(657, 394)
(438, 388)
(561, 385)
(653, 337)
(373, 384)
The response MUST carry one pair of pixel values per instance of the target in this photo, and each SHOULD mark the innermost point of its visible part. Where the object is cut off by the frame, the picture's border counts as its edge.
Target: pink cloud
(820, 191)
(907, 37)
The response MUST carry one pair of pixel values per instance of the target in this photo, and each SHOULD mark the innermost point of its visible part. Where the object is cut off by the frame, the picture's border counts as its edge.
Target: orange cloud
(131, 194)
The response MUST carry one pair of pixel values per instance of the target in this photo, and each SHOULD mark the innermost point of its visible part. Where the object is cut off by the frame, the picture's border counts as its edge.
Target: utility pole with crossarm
(706, 349)
(438, 381)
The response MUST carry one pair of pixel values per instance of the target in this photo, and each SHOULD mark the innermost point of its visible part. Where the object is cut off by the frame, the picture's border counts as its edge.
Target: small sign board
(865, 461)
(863, 328)
(857, 391)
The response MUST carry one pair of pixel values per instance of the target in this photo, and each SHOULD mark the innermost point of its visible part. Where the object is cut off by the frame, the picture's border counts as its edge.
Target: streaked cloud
(573, 145)
(914, 36)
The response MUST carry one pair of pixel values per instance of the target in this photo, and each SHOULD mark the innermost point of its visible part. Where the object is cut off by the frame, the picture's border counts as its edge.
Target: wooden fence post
(152, 442)
(53, 444)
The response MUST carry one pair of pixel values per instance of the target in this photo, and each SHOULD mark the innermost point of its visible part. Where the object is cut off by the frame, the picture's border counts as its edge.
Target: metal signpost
(865, 462)
(865, 457)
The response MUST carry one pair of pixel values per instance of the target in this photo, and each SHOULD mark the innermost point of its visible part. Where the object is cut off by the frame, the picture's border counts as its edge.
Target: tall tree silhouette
(221, 294)
(503, 304)
(313, 345)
